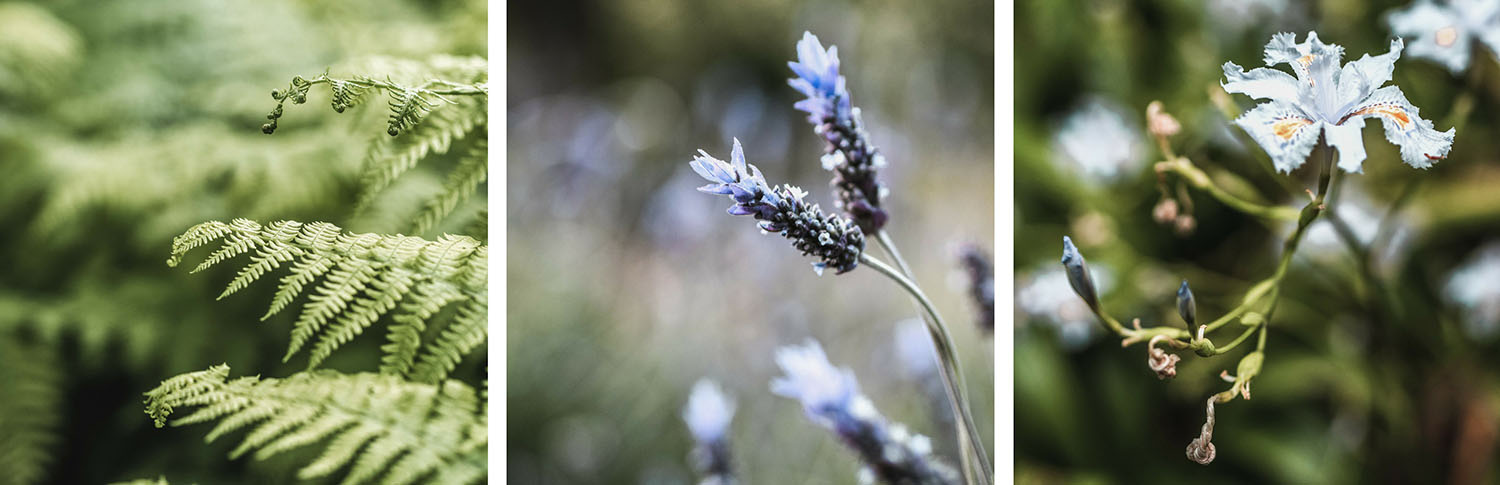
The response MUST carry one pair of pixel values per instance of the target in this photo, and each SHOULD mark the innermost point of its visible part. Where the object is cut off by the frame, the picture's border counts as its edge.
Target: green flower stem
(1200, 180)
(976, 464)
(1267, 290)
(1242, 337)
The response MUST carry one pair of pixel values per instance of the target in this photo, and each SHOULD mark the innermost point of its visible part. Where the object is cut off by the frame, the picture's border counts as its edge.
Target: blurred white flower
(1234, 16)
(708, 412)
(1100, 140)
(1445, 31)
(1046, 296)
(1475, 288)
(1363, 216)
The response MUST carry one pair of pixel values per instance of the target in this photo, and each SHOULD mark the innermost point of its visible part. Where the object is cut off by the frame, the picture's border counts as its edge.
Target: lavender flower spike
(849, 153)
(837, 242)
(830, 397)
(707, 415)
(1326, 99)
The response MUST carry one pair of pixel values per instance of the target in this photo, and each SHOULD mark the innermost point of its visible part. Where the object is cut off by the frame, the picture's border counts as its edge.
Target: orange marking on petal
(1430, 157)
(1393, 112)
(1285, 128)
(1305, 60)
(1446, 36)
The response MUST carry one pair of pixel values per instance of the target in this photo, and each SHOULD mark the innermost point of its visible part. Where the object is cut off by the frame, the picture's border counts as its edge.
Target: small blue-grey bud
(1078, 274)
(1186, 306)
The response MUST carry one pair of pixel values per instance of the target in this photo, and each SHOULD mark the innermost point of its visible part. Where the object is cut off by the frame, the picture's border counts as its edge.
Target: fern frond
(409, 100)
(30, 397)
(384, 426)
(388, 158)
(345, 94)
(363, 277)
(408, 106)
(471, 171)
(467, 331)
(479, 228)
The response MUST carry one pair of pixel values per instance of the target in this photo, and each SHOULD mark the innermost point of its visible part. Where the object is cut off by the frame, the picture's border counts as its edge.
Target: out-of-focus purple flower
(830, 397)
(914, 350)
(1100, 140)
(848, 151)
(707, 415)
(708, 411)
(1444, 32)
(1324, 99)
(1473, 288)
(981, 278)
(837, 242)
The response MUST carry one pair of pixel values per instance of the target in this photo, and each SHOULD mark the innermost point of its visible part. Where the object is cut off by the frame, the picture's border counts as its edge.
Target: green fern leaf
(403, 432)
(390, 157)
(30, 396)
(363, 278)
(408, 106)
(471, 171)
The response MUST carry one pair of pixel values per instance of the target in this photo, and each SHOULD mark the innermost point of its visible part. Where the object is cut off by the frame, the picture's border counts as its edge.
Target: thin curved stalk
(949, 370)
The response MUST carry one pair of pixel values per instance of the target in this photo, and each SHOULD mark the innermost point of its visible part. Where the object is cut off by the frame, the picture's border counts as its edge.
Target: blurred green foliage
(122, 124)
(626, 285)
(1358, 385)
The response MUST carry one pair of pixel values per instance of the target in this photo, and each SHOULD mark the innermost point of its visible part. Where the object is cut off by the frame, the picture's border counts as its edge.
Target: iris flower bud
(1078, 274)
(1186, 305)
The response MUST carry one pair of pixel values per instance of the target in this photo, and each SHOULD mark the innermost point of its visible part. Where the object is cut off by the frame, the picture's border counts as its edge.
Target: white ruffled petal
(1420, 143)
(1260, 83)
(1361, 77)
(1349, 141)
(1284, 131)
(1284, 49)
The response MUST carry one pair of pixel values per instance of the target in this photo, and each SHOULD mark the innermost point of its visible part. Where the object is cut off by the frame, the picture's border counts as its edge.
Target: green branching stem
(1200, 180)
(1258, 303)
(975, 463)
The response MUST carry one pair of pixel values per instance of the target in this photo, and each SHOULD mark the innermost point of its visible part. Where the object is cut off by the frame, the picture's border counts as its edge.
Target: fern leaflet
(30, 397)
(363, 277)
(472, 170)
(404, 431)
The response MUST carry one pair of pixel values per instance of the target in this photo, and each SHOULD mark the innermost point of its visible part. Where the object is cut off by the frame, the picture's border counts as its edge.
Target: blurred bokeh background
(122, 124)
(626, 285)
(1358, 386)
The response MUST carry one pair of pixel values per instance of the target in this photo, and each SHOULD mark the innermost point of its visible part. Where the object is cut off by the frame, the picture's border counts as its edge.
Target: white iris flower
(1326, 99)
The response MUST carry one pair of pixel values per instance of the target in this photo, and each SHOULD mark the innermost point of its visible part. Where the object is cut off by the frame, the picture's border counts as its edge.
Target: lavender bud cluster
(848, 152)
(835, 241)
(830, 397)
